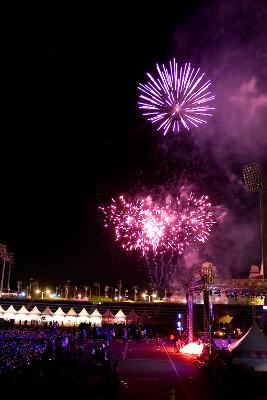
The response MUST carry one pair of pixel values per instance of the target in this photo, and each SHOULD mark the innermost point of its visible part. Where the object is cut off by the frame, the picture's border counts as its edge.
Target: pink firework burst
(193, 223)
(177, 98)
(154, 225)
(138, 225)
(124, 217)
(148, 226)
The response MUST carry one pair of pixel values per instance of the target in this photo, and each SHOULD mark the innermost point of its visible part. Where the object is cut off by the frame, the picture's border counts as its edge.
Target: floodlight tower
(254, 179)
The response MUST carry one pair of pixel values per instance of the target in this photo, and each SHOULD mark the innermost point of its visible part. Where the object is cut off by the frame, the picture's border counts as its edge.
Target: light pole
(67, 289)
(11, 265)
(97, 288)
(107, 291)
(120, 286)
(5, 257)
(2, 278)
(30, 287)
(254, 179)
(115, 293)
(19, 283)
(135, 292)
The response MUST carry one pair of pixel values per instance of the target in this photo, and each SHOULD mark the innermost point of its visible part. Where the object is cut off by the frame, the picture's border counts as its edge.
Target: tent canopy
(96, 313)
(108, 314)
(83, 313)
(59, 311)
(145, 317)
(35, 311)
(71, 313)
(253, 340)
(23, 310)
(47, 311)
(11, 310)
(132, 316)
(120, 314)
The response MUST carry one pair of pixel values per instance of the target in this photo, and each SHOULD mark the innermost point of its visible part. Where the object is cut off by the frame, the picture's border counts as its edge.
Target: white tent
(120, 317)
(35, 311)
(71, 317)
(34, 314)
(132, 317)
(83, 316)
(251, 349)
(108, 317)
(10, 313)
(145, 318)
(22, 314)
(59, 315)
(96, 318)
(47, 314)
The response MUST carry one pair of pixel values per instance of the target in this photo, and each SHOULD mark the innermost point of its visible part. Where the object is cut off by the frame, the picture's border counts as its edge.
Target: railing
(238, 283)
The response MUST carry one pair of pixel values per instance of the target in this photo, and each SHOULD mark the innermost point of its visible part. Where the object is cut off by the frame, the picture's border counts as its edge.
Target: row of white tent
(71, 317)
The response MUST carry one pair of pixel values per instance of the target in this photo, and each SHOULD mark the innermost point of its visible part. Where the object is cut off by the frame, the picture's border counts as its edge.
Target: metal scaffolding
(202, 280)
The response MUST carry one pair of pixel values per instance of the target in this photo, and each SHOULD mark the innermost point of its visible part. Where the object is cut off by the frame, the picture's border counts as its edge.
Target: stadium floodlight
(254, 179)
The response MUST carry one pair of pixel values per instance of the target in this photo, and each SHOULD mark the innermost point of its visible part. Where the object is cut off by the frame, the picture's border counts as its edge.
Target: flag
(4, 253)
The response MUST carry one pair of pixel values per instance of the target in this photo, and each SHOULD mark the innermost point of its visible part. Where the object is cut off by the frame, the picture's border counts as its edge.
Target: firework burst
(178, 98)
(139, 225)
(148, 226)
(194, 220)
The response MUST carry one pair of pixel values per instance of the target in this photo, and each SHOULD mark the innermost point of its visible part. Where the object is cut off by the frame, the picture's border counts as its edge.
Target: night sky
(72, 135)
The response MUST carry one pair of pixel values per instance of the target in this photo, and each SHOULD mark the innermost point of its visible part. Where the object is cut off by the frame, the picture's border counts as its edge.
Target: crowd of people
(43, 352)
(56, 356)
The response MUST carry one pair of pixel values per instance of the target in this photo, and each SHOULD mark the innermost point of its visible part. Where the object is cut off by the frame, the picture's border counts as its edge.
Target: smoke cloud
(228, 40)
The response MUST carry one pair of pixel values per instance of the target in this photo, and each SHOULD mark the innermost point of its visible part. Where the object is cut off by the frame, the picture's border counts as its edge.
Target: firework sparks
(124, 217)
(152, 227)
(138, 225)
(193, 223)
(178, 98)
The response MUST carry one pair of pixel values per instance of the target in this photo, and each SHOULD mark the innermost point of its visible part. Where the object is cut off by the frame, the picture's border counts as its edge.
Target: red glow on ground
(192, 348)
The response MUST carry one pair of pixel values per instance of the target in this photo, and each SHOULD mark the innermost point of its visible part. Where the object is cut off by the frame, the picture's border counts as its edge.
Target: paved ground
(150, 372)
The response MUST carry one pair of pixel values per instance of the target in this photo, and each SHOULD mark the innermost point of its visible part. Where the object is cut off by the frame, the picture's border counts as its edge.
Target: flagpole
(2, 279)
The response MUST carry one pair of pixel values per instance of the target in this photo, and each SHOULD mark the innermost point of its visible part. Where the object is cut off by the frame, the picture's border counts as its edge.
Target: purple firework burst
(178, 98)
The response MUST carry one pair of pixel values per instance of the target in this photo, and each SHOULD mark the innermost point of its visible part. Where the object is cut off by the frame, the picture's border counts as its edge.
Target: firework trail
(161, 268)
(176, 99)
